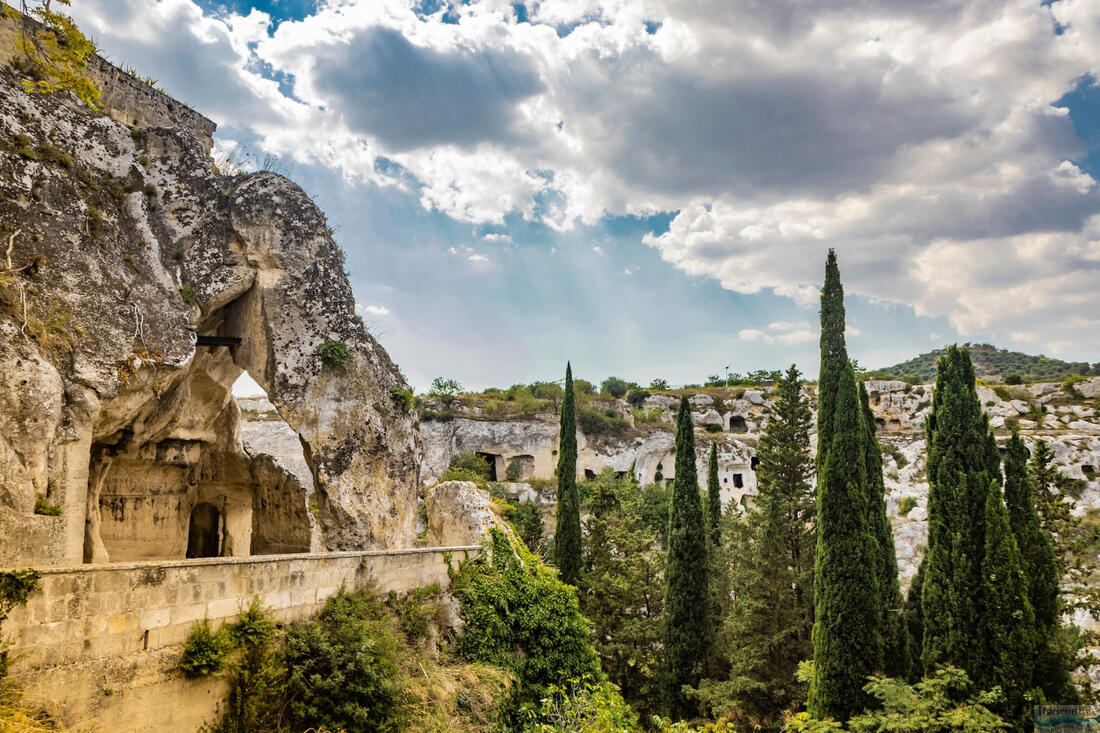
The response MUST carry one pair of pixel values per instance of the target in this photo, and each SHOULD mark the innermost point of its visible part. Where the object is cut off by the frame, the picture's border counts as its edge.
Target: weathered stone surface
(126, 244)
(459, 513)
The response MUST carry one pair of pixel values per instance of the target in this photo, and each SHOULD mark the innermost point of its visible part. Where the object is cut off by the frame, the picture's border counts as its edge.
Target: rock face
(459, 514)
(124, 257)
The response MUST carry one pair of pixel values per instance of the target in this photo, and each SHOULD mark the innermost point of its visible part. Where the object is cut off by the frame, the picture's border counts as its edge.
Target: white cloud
(782, 332)
(497, 237)
(477, 258)
(923, 140)
(597, 249)
(750, 334)
(376, 310)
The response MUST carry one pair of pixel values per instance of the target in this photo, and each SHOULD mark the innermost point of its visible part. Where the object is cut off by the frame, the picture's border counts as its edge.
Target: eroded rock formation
(121, 248)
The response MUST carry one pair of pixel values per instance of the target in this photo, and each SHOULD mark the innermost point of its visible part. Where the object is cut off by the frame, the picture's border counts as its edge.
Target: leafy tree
(714, 498)
(689, 625)
(56, 58)
(636, 397)
(583, 705)
(445, 390)
(659, 383)
(567, 534)
(768, 556)
(583, 387)
(623, 589)
(527, 519)
(847, 637)
(614, 386)
(895, 634)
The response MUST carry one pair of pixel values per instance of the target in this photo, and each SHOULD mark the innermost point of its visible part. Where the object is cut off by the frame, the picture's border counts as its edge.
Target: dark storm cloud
(409, 96)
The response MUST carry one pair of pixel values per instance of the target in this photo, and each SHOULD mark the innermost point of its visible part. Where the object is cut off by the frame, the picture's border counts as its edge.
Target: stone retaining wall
(99, 645)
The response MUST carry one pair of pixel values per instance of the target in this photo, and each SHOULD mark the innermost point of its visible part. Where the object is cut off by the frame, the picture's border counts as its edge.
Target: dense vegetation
(992, 364)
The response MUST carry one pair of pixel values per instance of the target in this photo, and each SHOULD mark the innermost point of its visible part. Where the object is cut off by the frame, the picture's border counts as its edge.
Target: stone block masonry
(99, 646)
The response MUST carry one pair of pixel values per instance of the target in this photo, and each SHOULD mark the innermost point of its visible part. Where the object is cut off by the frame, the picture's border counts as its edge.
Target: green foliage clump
(614, 386)
(43, 507)
(636, 397)
(582, 705)
(56, 57)
(334, 354)
(206, 651)
(622, 589)
(467, 467)
(520, 616)
(527, 520)
(942, 703)
(713, 428)
(445, 390)
(344, 668)
(594, 422)
(906, 505)
(1013, 379)
(402, 397)
(567, 531)
(188, 294)
(689, 629)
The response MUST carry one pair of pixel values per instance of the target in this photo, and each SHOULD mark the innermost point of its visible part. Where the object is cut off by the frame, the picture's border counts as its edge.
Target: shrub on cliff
(344, 668)
(521, 617)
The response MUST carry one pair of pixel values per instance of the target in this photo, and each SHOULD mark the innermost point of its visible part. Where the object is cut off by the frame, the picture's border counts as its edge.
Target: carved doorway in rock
(204, 533)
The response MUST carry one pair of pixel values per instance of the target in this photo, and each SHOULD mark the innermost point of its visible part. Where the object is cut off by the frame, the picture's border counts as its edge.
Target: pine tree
(1035, 545)
(1007, 623)
(847, 638)
(768, 555)
(834, 356)
(961, 465)
(688, 603)
(567, 534)
(714, 498)
(895, 635)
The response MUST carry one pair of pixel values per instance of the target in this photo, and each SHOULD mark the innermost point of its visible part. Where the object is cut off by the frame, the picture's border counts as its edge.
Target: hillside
(994, 364)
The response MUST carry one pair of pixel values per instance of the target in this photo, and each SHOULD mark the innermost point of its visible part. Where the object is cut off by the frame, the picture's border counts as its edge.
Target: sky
(649, 187)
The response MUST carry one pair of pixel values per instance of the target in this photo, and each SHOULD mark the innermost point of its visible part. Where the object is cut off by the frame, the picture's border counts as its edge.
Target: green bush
(344, 668)
(636, 397)
(513, 471)
(334, 354)
(205, 652)
(521, 617)
(713, 428)
(473, 463)
(445, 390)
(188, 294)
(593, 422)
(584, 705)
(906, 505)
(402, 397)
(1014, 379)
(614, 386)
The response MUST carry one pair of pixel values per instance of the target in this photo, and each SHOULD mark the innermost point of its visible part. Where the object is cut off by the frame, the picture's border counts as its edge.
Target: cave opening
(738, 481)
(738, 424)
(491, 461)
(204, 531)
(754, 462)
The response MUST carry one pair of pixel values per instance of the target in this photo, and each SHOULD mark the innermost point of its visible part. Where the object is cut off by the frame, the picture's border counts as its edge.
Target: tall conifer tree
(1041, 568)
(834, 356)
(768, 555)
(714, 498)
(895, 635)
(847, 638)
(1007, 623)
(689, 629)
(567, 535)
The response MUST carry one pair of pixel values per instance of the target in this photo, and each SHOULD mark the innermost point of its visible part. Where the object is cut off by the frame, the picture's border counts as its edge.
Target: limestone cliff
(129, 268)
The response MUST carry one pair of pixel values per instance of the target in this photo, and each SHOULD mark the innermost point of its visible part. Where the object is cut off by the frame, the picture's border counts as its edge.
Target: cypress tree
(714, 498)
(958, 598)
(1007, 621)
(1041, 569)
(847, 638)
(834, 356)
(567, 535)
(687, 597)
(895, 636)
